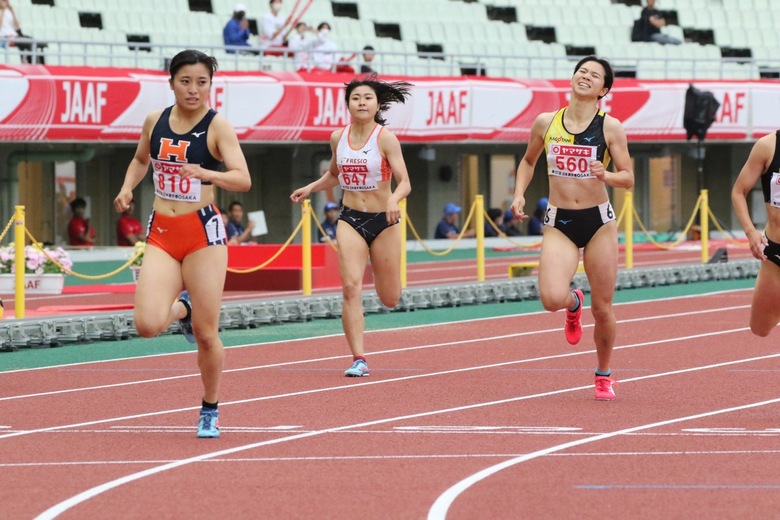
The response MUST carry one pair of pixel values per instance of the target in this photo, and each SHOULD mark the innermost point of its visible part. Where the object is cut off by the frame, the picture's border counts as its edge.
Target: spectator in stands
(129, 229)
(9, 23)
(236, 232)
(496, 216)
(272, 29)
(579, 214)
(186, 246)
(331, 222)
(300, 43)
(765, 246)
(648, 27)
(324, 49)
(236, 32)
(366, 160)
(80, 232)
(511, 224)
(536, 222)
(368, 57)
(448, 225)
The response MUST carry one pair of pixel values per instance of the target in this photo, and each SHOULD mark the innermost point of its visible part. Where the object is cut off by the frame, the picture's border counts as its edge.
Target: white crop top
(361, 169)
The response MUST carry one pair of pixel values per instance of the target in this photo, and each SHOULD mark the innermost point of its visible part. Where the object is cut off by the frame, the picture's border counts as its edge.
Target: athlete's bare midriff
(172, 208)
(374, 201)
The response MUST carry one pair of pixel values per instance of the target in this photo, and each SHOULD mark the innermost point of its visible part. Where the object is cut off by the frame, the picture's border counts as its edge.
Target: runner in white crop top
(366, 158)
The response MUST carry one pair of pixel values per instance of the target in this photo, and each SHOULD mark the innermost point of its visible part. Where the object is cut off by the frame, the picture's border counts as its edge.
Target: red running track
(491, 418)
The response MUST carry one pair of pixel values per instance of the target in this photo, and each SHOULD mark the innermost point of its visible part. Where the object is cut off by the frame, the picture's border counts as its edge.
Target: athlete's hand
(300, 195)
(123, 200)
(517, 208)
(597, 170)
(194, 171)
(393, 212)
(757, 244)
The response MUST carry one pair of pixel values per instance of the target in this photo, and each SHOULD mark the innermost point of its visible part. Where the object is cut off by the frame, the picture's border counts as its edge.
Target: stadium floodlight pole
(19, 262)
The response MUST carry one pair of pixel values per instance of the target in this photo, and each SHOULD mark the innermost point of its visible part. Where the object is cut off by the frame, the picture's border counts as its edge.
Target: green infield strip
(68, 353)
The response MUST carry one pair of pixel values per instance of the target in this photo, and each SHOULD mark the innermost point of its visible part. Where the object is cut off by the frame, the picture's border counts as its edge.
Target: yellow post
(479, 221)
(404, 218)
(19, 310)
(704, 224)
(306, 246)
(628, 204)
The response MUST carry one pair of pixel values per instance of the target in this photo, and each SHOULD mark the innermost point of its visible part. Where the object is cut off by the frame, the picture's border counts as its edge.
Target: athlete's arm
(138, 166)
(390, 148)
(623, 176)
(757, 162)
(525, 170)
(223, 144)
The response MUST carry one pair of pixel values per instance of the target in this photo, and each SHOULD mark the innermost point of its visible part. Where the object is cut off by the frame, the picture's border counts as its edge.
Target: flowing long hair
(386, 92)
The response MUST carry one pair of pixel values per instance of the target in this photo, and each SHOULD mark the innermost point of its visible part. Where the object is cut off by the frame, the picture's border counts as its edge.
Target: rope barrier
(682, 237)
(325, 235)
(274, 257)
(65, 270)
(457, 240)
(506, 237)
(7, 227)
(731, 238)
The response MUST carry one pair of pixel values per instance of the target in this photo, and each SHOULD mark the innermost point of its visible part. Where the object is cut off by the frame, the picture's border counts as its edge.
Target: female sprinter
(579, 141)
(186, 243)
(366, 158)
(762, 163)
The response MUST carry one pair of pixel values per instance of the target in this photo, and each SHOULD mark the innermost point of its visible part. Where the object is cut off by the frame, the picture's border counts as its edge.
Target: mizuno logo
(366, 151)
(587, 139)
(564, 222)
(161, 230)
(198, 134)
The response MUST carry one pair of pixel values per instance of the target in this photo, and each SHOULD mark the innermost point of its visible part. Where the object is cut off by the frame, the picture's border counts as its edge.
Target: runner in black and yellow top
(763, 164)
(579, 141)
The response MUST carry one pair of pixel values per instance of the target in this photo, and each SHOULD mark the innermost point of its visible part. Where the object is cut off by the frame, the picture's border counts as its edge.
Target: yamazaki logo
(447, 107)
(84, 101)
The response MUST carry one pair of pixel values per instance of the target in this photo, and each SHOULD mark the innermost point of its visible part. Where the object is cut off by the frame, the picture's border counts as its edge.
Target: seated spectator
(129, 229)
(236, 32)
(496, 216)
(324, 49)
(331, 221)
(536, 222)
(236, 232)
(272, 29)
(80, 232)
(368, 57)
(648, 27)
(511, 224)
(448, 227)
(299, 44)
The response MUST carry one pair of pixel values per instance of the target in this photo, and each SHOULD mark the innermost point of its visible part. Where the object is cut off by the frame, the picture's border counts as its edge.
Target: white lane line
(88, 494)
(350, 386)
(441, 506)
(376, 353)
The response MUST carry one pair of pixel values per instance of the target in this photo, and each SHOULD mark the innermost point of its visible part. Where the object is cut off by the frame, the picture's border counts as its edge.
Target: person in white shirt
(300, 43)
(9, 23)
(272, 31)
(324, 52)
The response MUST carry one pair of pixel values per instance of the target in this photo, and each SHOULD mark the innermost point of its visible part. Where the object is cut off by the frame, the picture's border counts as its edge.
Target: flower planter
(33, 283)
